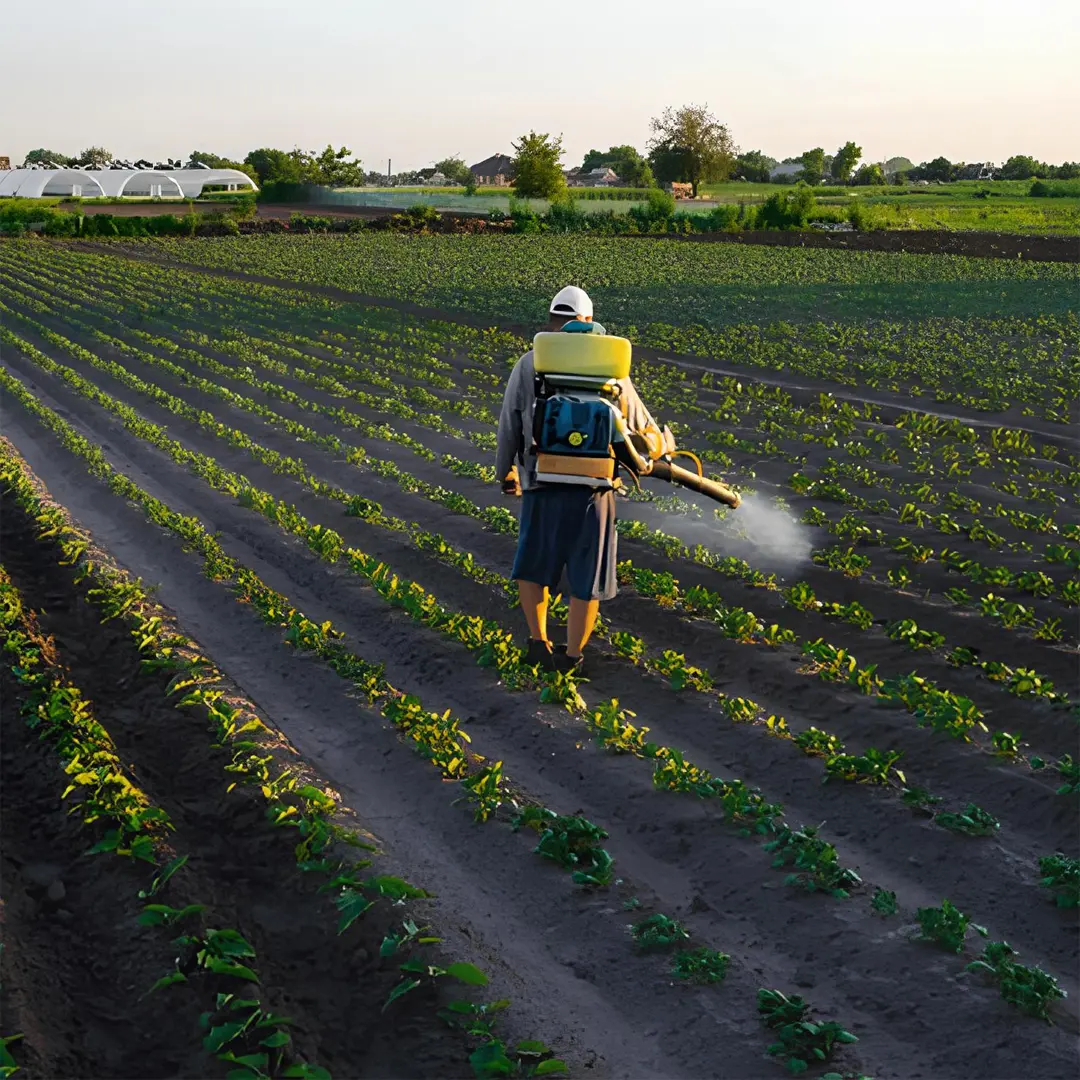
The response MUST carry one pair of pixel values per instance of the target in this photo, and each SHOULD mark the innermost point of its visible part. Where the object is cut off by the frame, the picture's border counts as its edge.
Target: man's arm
(510, 440)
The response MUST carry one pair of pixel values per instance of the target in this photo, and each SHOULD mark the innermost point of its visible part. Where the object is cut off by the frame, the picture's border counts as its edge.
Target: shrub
(786, 209)
(1055, 189)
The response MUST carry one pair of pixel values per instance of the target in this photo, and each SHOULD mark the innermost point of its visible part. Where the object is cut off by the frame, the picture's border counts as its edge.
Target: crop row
(301, 358)
(813, 862)
(672, 666)
(511, 279)
(354, 454)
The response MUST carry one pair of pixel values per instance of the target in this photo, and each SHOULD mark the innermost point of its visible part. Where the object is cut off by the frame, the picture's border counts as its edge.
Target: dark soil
(77, 965)
(562, 954)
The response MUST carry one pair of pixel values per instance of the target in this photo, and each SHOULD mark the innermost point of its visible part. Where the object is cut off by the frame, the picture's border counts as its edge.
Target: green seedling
(1005, 745)
(572, 842)
(972, 820)
(163, 915)
(1061, 873)
(8, 1065)
(628, 646)
(416, 971)
(658, 931)
(700, 965)
(946, 926)
(816, 862)
(525, 1059)
(918, 798)
(800, 1042)
(474, 1019)
(1069, 771)
(1028, 988)
(884, 902)
(873, 767)
(394, 941)
(487, 790)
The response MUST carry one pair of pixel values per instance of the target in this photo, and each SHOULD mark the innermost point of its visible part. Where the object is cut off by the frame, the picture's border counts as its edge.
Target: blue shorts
(568, 527)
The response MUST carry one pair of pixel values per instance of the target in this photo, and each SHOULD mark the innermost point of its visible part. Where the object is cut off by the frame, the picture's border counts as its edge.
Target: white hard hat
(572, 301)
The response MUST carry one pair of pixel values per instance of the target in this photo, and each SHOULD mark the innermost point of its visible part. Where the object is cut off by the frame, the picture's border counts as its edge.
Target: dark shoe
(538, 654)
(570, 665)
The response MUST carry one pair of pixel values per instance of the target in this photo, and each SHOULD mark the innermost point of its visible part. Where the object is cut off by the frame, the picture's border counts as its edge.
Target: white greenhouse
(113, 183)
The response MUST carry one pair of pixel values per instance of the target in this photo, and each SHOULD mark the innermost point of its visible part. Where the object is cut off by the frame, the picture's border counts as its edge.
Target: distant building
(436, 179)
(602, 177)
(980, 170)
(495, 171)
(35, 183)
(779, 171)
(5, 163)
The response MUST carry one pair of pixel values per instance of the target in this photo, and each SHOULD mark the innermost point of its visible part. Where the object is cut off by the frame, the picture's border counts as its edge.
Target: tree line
(687, 145)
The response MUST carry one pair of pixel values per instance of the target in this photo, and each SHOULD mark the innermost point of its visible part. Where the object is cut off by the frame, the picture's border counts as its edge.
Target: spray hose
(674, 474)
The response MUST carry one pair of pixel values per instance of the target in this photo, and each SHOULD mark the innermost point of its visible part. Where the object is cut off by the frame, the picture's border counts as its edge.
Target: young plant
(972, 820)
(816, 862)
(799, 1041)
(884, 902)
(658, 932)
(946, 926)
(1028, 988)
(700, 965)
(1061, 873)
(572, 842)
(527, 1058)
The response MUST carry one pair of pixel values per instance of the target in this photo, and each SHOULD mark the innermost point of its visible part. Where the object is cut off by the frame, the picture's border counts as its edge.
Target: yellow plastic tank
(597, 355)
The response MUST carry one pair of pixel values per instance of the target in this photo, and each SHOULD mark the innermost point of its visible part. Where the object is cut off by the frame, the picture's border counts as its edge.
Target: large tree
(216, 161)
(275, 166)
(755, 166)
(333, 168)
(690, 145)
(844, 161)
(454, 169)
(898, 165)
(537, 166)
(869, 174)
(813, 165)
(1024, 167)
(941, 168)
(46, 157)
(95, 155)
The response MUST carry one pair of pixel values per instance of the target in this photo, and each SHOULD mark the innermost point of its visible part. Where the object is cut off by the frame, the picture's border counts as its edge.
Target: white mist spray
(775, 534)
(768, 537)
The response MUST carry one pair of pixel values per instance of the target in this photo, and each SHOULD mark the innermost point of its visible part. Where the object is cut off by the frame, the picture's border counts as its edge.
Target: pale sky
(971, 79)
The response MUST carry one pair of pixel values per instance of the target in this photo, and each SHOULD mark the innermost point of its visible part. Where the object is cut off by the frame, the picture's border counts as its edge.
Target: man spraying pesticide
(571, 419)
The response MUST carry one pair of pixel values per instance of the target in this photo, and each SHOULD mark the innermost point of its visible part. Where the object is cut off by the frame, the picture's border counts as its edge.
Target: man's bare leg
(579, 625)
(534, 605)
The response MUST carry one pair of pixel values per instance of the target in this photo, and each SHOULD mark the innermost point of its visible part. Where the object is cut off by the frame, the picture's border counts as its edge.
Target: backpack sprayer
(580, 431)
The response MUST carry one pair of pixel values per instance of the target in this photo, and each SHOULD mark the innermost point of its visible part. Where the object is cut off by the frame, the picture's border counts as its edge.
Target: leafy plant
(572, 842)
(527, 1058)
(1028, 988)
(1061, 873)
(799, 1041)
(658, 931)
(700, 965)
(816, 862)
(883, 901)
(946, 926)
(972, 820)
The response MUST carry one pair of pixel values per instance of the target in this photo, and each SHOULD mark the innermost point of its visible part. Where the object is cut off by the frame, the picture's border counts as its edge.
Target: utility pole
(388, 172)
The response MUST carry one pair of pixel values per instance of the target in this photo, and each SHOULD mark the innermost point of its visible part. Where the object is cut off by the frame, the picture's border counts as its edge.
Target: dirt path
(81, 962)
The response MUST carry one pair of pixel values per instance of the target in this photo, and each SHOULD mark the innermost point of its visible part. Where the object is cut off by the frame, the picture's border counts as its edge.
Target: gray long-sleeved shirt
(515, 421)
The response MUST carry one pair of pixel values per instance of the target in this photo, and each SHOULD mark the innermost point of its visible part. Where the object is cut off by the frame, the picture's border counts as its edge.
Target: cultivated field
(258, 621)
